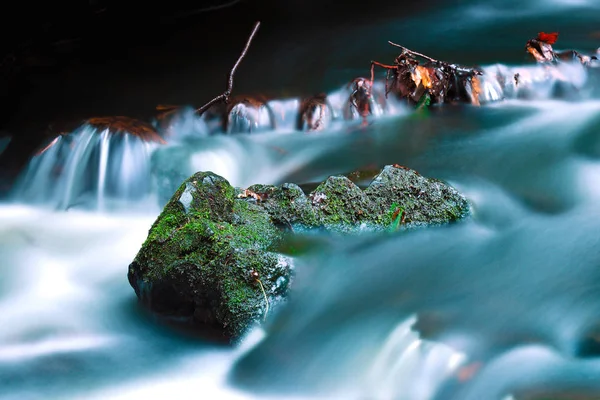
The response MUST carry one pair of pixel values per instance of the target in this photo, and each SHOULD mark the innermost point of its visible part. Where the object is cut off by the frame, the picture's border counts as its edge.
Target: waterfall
(86, 169)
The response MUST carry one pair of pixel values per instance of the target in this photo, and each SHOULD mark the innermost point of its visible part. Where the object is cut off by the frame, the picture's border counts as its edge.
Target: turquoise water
(502, 306)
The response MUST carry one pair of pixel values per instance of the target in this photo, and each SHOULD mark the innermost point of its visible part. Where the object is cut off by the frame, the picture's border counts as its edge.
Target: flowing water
(504, 305)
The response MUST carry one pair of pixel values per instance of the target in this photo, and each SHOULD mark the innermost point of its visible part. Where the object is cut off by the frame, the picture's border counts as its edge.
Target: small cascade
(86, 169)
(108, 158)
(180, 123)
(285, 113)
(567, 81)
(248, 117)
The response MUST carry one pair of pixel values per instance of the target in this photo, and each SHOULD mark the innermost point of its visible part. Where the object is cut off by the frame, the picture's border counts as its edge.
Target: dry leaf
(249, 193)
(134, 127)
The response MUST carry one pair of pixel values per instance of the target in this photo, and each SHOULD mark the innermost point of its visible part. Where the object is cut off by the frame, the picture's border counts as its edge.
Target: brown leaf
(249, 193)
(120, 124)
(420, 76)
(475, 90)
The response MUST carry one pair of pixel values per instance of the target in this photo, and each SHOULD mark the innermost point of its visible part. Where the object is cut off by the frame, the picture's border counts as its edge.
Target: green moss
(211, 244)
(340, 204)
(202, 252)
(287, 205)
(425, 201)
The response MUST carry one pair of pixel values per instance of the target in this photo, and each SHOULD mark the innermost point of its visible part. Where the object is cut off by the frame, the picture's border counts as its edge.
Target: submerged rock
(208, 257)
(248, 115)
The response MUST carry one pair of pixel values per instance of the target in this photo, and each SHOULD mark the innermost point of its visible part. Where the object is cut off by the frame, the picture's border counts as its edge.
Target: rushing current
(502, 306)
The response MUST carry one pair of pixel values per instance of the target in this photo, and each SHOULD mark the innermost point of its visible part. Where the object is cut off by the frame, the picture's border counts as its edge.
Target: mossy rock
(205, 255)
(209, 256)
(287, 204)
(424, 201)
(341, 205)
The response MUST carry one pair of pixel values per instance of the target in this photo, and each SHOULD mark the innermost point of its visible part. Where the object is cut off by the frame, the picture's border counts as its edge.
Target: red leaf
(549, 38)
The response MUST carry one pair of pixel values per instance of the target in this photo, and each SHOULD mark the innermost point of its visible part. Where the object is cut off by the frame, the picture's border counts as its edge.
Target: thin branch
(266, 299)
(453, 66)
(413, 52)
(387, 77)
(224, 97)
(386, 66)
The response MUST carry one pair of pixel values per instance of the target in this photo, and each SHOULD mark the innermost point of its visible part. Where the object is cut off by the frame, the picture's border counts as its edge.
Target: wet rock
(248, 115)
(287, 205)
(423, 200)
(315, 114)
(204, 257)
(340, 204)
(364, 100)
(209, 255)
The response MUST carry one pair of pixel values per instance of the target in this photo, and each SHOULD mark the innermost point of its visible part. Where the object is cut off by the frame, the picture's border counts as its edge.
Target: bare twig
(455, 67)
(387, 77)
(413, 52)
(224, 97)
(266, 299)
(386, 66)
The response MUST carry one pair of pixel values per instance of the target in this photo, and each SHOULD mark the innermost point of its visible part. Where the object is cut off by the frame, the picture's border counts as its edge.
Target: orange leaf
(549, 38)
(420, 76)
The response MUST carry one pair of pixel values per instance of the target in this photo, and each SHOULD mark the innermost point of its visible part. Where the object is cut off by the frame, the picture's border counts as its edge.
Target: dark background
(66, 61)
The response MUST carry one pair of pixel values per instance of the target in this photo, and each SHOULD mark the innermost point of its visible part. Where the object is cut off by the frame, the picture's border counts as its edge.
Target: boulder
(209, 257)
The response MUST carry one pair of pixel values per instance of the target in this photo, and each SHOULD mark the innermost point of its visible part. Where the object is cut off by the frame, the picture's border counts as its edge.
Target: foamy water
(502, 306)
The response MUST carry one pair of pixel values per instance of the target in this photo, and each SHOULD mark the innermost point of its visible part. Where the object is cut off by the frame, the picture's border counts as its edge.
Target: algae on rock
(202, 255)
(424, 200)
(209, 255)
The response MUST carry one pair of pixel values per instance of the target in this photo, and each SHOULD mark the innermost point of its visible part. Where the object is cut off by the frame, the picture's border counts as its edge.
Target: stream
(504, 305)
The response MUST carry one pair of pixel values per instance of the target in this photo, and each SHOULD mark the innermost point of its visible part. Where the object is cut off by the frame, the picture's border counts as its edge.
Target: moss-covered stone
(209, 254)
(287, 204)
(341, 205)
(422, 200)
(204, 257)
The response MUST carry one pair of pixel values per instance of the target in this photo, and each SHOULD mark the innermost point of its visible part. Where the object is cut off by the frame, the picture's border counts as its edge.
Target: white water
(501, 305)
(72, 330)
(87, 169)
(74, 171)
(58, 301)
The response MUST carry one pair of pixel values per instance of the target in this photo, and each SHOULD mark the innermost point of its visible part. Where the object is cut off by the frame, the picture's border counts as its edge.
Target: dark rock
(287, 204)
(315, 114)
(248, 115)
(424, 200)
(209, 255)
(205, 255)
(340, 204)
